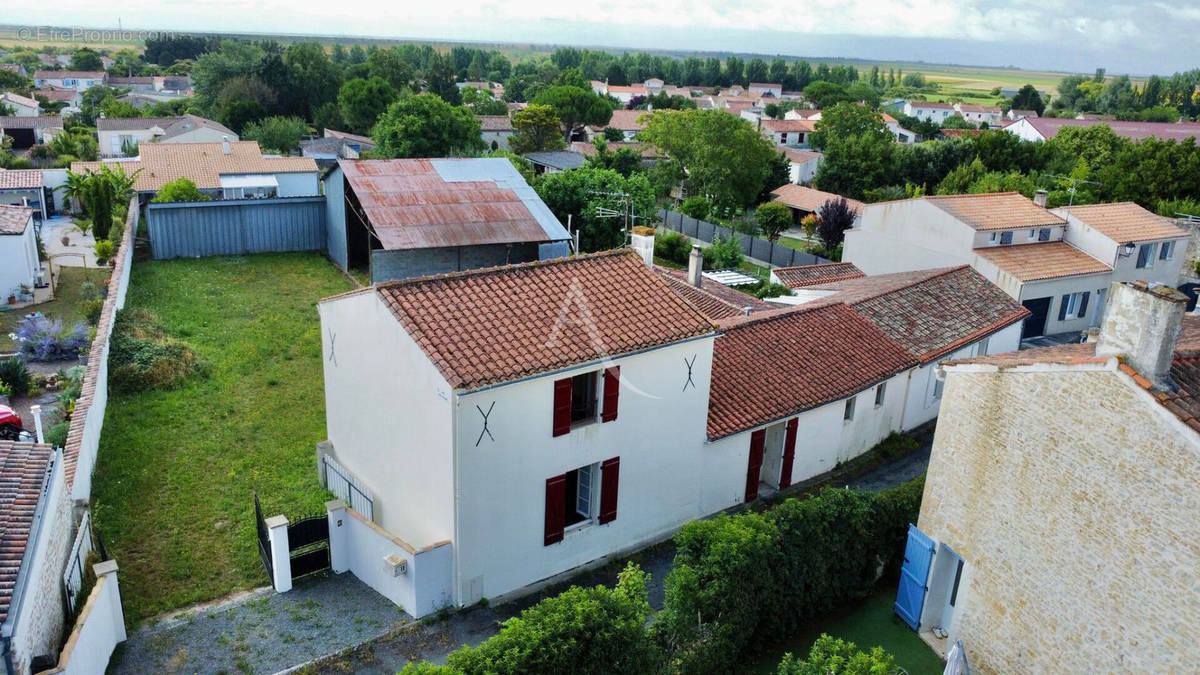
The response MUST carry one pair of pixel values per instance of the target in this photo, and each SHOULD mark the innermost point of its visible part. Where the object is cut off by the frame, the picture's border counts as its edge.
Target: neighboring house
(899, 133)
(14, 68)
(626, 121)
(625, 94)
(22, 106)
(1044, 128)
(117, 133)
(19, 265)
(767, 89)
(802, 114)
(930, 111)
(495, 130)
(1058, 532)
(805, 200)
(802, 164)
(228, 170)
(977, 114)
(1015, 114)
(69, 79)
(788, 132)
(542, 387)
(35, 542)
(815, 275)
(556, 161)
(1020, 246)
(355, 143)
(1137, 244)
(336, 145)
(26, 132)
(160, 87)
(25, 187)
(71, 97)
(404, 218)
(711, 298)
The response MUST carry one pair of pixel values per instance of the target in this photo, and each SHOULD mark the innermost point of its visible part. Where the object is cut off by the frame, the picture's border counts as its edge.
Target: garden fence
(761, 250)
(348, 488)
(77, 561)
(236, 227)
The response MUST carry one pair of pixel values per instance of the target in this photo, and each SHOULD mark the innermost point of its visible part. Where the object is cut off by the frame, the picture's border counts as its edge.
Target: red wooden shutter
(757, 439)
(789, 452)
(562, 406)
(612, 391)
(610, 476)
(556, 495)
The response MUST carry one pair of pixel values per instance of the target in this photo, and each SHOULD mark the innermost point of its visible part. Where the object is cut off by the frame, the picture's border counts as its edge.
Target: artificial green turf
(64, 306)
(173, 491)
(867, 624)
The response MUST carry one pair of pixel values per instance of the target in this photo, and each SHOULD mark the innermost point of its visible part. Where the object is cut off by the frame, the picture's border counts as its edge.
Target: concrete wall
(298, 184)
(408, 263)
(368, 551)
(389, 417)
(38, 627)
(501, 481)
(1071, 496)
(907, 235)
(98, 630)
(18, 260)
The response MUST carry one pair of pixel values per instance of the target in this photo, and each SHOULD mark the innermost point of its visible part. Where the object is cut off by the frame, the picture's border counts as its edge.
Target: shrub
(15, 374)
(57, 434)
(809, 225)
(104, 249)
(724, 253)
(91, 309)
(43, 339)
(581, 630)
(673, 246)
(773, 218)
(5, 390)
(836, 218)
(696, 207)
(181, 189)
(770, 290)
(832, 656)
(896, 445)
(142, 356)
(71, 383)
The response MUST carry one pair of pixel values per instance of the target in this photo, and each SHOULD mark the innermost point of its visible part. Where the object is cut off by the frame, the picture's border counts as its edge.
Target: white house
(495, 129)
(22, 106)
(767, 88)
(25, 187)
(26, 132)
(899, 133)
(35, 543)
(802, 164)
(69, 79)
(977, 114)
(803, 200)
(628, 122)
(931, 111)
(1136, 243)
(788, 132)
(1044, 128)
(1013, 242)
(116, 134)
(19, 264)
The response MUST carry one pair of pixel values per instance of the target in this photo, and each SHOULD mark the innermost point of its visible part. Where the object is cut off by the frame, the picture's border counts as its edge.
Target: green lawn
(867, 624)
(65, 304)
(173, 493)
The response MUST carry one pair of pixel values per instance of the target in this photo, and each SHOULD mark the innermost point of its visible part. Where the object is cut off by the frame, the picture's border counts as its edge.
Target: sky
(1062, 35)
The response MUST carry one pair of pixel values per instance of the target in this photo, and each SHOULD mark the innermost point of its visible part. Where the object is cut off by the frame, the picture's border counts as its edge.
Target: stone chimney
(225, 144)
(1039, 198)
(1142, 324)
(695, 264)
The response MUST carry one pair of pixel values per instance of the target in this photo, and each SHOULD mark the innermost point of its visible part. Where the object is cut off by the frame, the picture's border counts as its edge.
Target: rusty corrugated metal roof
(429, 203)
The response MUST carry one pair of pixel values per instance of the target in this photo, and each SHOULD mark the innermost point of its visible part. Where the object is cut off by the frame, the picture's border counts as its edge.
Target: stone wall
(1072, 497)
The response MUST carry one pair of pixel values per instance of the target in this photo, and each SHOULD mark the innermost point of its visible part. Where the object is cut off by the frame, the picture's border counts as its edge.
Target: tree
(315, 78)
(481, 102)
(361, 102)
(824, 94)
(836, 217)
(390, 66)
(615, 75)
(277, 134)
(181, 189)
(536, 129)
(845, 120)
(1028, 98)
(575, 107)
(167, 48)
(86, 59)
(575, 194)
(424, 125)
(757, 70)
(773, 218)
(99, 192)
(624, 161)
(832, 656)
(243, 100)
(724, 156)
(611, 134)
(439, 79)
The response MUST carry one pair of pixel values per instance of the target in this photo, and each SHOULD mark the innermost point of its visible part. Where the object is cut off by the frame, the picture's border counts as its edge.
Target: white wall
(907, 235)
(202, 135)
(803, 173)
(1020, 236)
(100, 627)
(1023, 129)
(500, 137)
(53, 178)
(298, 184)
(389, 417)
(1099, 246)
(18, 260)
(501, 486)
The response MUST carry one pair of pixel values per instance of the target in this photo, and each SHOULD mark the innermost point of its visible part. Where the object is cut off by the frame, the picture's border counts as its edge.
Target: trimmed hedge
(758, 575)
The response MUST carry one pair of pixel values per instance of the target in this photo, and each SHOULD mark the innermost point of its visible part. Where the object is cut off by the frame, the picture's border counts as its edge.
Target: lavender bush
(43, 339)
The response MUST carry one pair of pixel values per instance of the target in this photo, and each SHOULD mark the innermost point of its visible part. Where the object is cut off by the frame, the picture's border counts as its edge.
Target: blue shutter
(1083, 304)
(1062, 307)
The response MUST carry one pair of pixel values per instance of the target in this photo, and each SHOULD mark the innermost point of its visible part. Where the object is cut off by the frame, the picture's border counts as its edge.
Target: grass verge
(173, 492)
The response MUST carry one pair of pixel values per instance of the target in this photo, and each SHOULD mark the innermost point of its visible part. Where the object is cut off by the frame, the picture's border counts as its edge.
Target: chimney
(695, 264)
(225, 144)
(1039, 198)
(1141, 324)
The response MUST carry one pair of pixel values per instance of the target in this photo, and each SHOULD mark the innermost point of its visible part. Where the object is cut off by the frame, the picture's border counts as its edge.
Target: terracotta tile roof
(932, 104)
(799, 156)
(203, 163)
(1125, 221)
(429, 203)
(808, 275)
(955, 133)
(809, 199)
(40, 122)
(364, 140)
(14, 219)
(781, 126)
(626, 89)
(14, 97)
(626, 120)
(69, 74)
(930, 313)
(972, 107)
(56, 94)
(133, 123)
(494, 122)
(588, 150)
(995, 211)
(1184, 402)
(1075, 352)
(20, 179)
(503, 323)
(784, 362)
(1045, 260)
(22, 474)
(714, 300)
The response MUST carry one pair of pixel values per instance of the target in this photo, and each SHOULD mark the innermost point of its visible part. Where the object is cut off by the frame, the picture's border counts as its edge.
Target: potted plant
(25, 293)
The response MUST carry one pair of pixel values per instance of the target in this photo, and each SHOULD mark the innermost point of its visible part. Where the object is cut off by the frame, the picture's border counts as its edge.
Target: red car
(10, 424)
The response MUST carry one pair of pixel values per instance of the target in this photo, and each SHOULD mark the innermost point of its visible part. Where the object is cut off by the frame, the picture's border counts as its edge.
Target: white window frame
(848, 413)
(1073, 302)
(584, 488)
(1033, 234)
(1152, 252)
(1166, 250)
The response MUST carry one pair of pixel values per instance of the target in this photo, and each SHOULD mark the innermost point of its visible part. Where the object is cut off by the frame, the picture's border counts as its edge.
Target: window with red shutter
(610, 476)
(562, 406)
(789, 452)
(556, 493)
(612, 392)
(757, 439)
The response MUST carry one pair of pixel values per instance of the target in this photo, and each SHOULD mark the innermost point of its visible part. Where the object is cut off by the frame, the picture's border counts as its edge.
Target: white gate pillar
(281, 556)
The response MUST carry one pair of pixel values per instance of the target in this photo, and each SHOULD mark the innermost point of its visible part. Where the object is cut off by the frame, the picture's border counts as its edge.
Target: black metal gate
(264, 540)
(308, 544)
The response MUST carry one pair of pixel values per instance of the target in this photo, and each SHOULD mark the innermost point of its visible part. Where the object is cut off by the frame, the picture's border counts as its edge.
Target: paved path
(81, 252)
